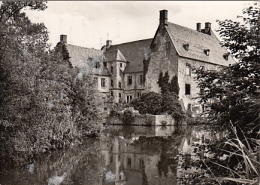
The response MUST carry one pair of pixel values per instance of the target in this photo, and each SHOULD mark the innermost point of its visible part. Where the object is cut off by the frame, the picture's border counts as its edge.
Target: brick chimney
(208, 28)
(199, 26)
(164, 17)
(63, 39)
(108, 44)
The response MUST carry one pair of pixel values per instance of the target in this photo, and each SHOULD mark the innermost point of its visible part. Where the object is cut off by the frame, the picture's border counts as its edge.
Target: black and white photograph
(129, 92)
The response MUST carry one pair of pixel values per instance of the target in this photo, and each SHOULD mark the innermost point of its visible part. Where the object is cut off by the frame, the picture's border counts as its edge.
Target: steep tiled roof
(79, 55)
(134, 52)
(198, 42)
(114, 55)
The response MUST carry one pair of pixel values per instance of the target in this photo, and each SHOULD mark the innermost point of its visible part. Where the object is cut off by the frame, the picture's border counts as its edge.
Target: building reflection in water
(137, 155)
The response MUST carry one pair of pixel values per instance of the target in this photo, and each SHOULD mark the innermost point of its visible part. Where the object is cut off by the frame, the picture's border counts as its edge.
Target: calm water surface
(124, 155)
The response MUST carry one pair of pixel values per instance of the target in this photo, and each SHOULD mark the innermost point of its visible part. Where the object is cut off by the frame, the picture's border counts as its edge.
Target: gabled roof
(198, 43)
(114, 55)
(78, 55)
(134, 52)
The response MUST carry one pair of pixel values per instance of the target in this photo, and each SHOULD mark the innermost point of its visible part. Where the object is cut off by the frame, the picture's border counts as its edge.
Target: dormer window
(206, 51)
(186, 46)
(226, 56)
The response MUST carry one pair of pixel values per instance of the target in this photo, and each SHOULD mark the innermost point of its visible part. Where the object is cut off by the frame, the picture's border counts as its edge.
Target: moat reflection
(152, 155)
(123, 155)
(137, 155)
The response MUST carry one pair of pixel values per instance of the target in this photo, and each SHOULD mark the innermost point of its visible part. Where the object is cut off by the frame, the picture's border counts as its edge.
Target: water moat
(123, 155)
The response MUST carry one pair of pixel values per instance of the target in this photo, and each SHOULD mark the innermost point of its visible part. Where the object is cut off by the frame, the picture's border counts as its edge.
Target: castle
(125, 71)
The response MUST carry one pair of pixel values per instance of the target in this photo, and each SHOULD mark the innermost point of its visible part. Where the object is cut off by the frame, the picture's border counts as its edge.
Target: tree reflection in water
(125, 155)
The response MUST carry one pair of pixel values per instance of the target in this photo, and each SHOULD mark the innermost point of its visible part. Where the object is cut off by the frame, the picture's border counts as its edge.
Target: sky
(91, 23)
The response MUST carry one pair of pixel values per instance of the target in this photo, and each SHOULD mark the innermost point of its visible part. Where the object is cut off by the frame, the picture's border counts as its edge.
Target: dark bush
(127, 117)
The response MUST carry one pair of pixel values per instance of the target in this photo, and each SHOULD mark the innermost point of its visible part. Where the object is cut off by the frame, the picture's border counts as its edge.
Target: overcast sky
(91, 23)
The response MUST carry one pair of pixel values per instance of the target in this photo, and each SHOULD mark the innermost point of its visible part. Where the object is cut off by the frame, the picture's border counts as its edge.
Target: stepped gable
(134, 52)
(198, 42)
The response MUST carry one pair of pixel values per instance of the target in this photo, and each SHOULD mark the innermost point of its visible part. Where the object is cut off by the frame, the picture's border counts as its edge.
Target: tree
(235, 89)
(232, 96)
(43, 103)
(174, 86)
(87, 102)
(167, 86)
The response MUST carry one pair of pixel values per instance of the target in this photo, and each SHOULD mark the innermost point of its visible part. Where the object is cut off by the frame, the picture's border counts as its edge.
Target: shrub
(127, 117)
(155, 103)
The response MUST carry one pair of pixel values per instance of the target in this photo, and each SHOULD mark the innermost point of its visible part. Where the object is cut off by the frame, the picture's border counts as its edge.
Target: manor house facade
(125, 71)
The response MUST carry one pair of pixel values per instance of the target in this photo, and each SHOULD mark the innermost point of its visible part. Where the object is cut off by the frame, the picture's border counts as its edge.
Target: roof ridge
(195, 31)
(82, 47)
(132, 42)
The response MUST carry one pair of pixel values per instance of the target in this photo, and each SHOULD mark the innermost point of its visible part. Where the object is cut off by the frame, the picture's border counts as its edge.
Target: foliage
(232, 94)
(167, 86)
(127, 116)
(148, 103)
(155, 103)
(86, 103)
(41, 108)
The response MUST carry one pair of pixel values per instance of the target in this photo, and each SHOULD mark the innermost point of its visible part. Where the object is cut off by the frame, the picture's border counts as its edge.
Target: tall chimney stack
(164, 17)
(109, 43)
(199, 26)
(63, 39)
(208, 28)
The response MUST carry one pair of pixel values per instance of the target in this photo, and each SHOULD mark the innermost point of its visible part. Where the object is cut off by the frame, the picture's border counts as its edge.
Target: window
(120, 72)
(187, 89)
(119, 85)
(105, 64)
(186, 46)
(112, 69)
(141, 79)
(130, 80)
(129, 162)
(206, 51)
(128, 99)
(97, 65)
(112, 83)
(226, 56)
(141, 163)
(96, 81)
(103, 82)
(119, 95)
(112, 94)
(121, 65)
(138, 95)
(168, 45)
(188, 70)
